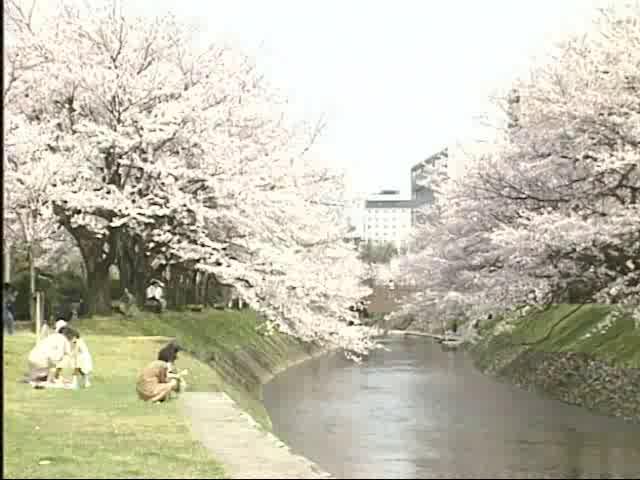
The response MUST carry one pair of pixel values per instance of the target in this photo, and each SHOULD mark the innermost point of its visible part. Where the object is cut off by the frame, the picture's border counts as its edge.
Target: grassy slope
(105, 430)
(618, 345)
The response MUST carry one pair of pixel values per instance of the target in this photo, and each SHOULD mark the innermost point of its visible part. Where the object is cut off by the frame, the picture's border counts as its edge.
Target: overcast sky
(398, 79)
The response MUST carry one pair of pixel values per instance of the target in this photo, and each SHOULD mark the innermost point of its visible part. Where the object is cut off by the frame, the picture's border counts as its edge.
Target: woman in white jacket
(50, 353)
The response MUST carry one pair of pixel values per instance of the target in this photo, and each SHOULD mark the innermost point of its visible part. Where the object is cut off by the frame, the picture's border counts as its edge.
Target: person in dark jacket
(9, 294)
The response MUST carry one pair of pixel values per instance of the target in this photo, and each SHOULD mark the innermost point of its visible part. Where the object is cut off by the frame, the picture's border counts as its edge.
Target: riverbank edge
(566, 354)
(257, 360)
(247, 369)
(248, 450)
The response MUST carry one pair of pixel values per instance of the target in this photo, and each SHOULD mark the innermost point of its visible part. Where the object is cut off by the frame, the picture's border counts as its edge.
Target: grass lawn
(104, 431)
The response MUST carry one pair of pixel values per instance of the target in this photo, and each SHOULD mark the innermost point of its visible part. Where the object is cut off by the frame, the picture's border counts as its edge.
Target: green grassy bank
(579, 354)
(105, 431)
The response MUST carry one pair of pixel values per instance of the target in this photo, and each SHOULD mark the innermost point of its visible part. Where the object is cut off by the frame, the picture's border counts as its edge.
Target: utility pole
(6, 262)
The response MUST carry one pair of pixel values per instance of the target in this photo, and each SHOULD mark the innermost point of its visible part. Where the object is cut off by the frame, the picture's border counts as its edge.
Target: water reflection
(419, 412)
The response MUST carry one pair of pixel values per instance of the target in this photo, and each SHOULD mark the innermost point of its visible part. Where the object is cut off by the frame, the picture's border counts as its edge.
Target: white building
(387, 218)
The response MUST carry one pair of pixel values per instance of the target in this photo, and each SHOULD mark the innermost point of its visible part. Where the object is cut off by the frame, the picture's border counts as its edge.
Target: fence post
(6, 263)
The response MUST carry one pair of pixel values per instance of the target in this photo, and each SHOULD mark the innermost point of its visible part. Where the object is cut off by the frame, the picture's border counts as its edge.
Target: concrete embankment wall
(245, 361)
(584, 355)
(245, 369)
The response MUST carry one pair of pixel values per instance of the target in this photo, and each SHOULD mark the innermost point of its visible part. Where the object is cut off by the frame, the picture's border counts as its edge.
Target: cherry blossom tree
(551, 214)
(30, 168)
(180, 161)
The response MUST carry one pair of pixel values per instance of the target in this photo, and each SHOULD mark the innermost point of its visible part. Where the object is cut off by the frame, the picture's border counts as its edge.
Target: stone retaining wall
(575, 378)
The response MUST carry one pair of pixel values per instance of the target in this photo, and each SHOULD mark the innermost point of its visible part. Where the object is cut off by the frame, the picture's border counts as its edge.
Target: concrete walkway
(236, 440)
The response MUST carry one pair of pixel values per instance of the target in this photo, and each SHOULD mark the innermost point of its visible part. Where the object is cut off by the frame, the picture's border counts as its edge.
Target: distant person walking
(9, 294)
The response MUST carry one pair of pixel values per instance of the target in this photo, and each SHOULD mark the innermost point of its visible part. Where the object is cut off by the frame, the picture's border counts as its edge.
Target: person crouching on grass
(80, 359)
(158, 379)
(46, 358)
(171, 350)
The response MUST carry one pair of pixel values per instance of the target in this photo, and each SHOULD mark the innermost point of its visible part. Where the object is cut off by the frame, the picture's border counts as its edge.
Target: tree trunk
(172, 287)
(133, 267)
(193, 288)
(98, 288)
(206, 294)
(197, 287)
(139, 286)
(98, 254)
(32, 288)
(180, 288)
(126, 269)
(200, 284)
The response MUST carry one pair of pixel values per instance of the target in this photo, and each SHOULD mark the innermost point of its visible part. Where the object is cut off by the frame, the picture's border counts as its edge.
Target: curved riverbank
(583, 355)
(246, 451)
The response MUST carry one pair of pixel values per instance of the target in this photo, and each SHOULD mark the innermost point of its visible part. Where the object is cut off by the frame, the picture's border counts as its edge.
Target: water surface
(419, 412)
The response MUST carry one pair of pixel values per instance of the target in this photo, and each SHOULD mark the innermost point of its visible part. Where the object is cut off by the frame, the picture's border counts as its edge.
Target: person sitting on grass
(155, 296)
(46, 358)
(80, 360)
(127, 304)
(157, 380)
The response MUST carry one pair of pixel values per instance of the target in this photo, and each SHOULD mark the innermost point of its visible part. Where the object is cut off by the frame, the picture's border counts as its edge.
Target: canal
(419, 412)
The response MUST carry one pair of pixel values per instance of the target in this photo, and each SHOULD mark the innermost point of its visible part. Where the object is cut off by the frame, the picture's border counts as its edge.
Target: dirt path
(236, 440)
